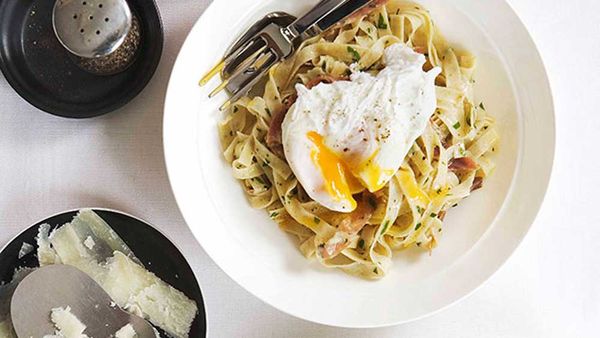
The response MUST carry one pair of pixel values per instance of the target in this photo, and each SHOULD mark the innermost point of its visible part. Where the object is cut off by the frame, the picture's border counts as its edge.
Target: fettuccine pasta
(447, 162)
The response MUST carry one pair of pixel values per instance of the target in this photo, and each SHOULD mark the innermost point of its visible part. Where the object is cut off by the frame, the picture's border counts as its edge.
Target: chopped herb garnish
(235, 109)
(455, 205)
(439, 191)
(457, 125)
(274, 214)
(418, 243)
(385, 226)
(317, 220)
(355, 54)
(375, 271)
(361, 243)
(419, 210)
(433, 215)
(418, 226)
(381, 23)
(481, 106)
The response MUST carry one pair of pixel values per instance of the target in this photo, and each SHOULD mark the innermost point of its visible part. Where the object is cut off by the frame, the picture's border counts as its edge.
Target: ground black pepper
(118, 60)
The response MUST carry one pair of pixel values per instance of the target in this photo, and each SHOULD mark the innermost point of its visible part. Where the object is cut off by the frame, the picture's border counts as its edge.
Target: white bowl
(479, 235)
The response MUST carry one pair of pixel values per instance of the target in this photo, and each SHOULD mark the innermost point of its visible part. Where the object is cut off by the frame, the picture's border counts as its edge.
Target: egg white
(369, 123)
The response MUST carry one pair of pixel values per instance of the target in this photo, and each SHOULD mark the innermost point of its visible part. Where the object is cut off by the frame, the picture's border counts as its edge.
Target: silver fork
(271, 40)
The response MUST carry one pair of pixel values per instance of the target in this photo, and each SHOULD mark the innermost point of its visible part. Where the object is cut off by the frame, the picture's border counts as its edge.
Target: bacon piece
(462, 164)
(274, 134)
(349, 227)
(436, 153)
(477, 183)
(355, 223)
(334, 246)
(356, 220)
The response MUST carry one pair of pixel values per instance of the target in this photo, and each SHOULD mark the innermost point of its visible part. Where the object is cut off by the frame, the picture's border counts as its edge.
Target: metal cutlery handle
(326, 14)
(342, 13)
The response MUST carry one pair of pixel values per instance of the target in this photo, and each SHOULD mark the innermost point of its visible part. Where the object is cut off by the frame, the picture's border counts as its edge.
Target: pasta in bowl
(437, 146)
(477, 236)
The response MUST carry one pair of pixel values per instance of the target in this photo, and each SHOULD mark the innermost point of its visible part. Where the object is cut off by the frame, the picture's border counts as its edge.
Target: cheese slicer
(63, 286)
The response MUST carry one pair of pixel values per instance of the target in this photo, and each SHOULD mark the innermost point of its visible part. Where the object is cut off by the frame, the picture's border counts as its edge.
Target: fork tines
(242, 68)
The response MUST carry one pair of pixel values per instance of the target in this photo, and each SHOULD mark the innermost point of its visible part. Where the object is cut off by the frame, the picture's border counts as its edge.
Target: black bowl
(45, 74)
(152, 248)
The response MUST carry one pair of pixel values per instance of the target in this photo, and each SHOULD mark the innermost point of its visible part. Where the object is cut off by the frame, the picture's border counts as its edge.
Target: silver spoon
(56, 286)
(91, 28)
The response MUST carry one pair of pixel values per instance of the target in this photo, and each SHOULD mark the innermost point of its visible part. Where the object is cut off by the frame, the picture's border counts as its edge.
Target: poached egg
(342, 138)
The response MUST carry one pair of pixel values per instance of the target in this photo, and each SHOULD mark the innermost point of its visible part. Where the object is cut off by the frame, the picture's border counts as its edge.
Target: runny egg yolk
(372, 175)
(339, 182)
(411, 188)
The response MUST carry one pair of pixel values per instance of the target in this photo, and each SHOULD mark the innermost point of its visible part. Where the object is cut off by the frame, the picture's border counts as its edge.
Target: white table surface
(549, 288)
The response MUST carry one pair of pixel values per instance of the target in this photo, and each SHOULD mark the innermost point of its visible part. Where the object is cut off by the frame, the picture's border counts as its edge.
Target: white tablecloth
(549, 288)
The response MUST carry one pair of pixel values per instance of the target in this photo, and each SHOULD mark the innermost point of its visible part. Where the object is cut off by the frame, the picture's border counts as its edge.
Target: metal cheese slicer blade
(91, 28)
(62, 286)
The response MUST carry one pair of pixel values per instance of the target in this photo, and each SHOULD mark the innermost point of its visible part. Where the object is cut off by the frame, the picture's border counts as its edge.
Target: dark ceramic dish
(46, 75)
(152, 248)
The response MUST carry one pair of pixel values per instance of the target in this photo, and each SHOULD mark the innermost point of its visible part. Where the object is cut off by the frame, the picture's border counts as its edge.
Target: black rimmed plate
(47, 76)
(152, 248)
